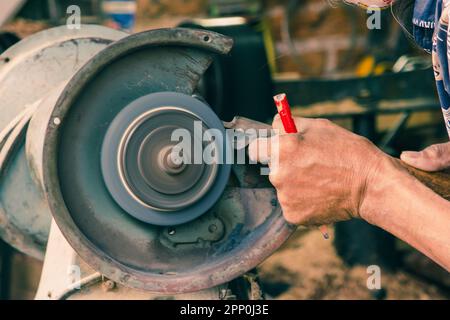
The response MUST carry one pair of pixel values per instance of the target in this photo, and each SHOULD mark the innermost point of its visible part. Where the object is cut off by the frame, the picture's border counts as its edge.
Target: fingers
(267, 151)
(277, 124)
(259, 150)
(420, 160)
(433, 158)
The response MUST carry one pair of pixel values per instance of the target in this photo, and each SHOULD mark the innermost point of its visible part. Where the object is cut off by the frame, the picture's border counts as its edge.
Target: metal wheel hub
(146, 168)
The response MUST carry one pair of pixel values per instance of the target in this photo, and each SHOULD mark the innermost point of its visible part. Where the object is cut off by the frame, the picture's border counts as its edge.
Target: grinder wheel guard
(126, 207)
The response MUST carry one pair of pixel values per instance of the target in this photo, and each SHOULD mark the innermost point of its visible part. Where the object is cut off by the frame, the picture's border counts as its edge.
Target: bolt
(108, 285)
(171, 164)
(212, 228)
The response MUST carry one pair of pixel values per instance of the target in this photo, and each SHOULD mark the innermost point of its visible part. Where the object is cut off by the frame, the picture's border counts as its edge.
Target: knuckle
(253, 150)
(435, 151)
(324, 122)
(276, 117)
(292, 216)
(446, 155)
(438, 155)
(275, 179)
(288, 143)
(446, 146)
(366, 142)
(276, 122)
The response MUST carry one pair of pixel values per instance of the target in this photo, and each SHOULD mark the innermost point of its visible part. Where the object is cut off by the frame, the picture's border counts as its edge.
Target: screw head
(109, 285)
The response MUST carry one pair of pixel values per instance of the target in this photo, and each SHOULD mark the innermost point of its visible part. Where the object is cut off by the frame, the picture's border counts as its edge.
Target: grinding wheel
(143, 181)
(130, 213)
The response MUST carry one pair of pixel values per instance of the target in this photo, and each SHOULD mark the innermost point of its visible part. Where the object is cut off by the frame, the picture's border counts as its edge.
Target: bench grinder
(92, 150)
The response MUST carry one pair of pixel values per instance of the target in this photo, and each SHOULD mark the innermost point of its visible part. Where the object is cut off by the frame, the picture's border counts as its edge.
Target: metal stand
(66, 276)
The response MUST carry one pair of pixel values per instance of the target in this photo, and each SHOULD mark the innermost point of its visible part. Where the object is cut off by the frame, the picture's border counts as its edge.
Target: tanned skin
(326, 174)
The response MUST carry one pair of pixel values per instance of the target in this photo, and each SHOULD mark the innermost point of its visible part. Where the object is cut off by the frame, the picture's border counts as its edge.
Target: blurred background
(374, 82)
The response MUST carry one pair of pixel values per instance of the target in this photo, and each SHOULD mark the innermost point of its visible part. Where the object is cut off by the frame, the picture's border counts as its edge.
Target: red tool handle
(284, 110)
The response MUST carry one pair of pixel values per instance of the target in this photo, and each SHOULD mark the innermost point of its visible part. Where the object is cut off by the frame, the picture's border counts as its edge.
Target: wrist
(400, 204)
(384, 187)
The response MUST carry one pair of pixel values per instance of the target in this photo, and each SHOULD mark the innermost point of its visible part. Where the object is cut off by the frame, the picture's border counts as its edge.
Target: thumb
(433, 158)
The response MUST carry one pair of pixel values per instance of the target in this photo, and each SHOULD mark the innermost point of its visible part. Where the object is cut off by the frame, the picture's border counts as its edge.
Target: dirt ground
(307, 267)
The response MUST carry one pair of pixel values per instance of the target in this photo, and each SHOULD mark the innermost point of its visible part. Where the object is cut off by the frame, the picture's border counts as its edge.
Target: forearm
(403, 206)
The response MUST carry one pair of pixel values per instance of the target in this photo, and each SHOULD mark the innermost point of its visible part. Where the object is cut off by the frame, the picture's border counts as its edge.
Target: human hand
(434, 158)
(322, 174)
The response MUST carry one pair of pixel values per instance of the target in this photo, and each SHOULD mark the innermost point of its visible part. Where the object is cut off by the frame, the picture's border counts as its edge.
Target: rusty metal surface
(110, 241)
(66, 276)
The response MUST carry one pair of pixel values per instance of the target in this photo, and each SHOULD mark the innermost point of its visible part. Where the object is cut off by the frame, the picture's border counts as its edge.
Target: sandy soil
(307, 267)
